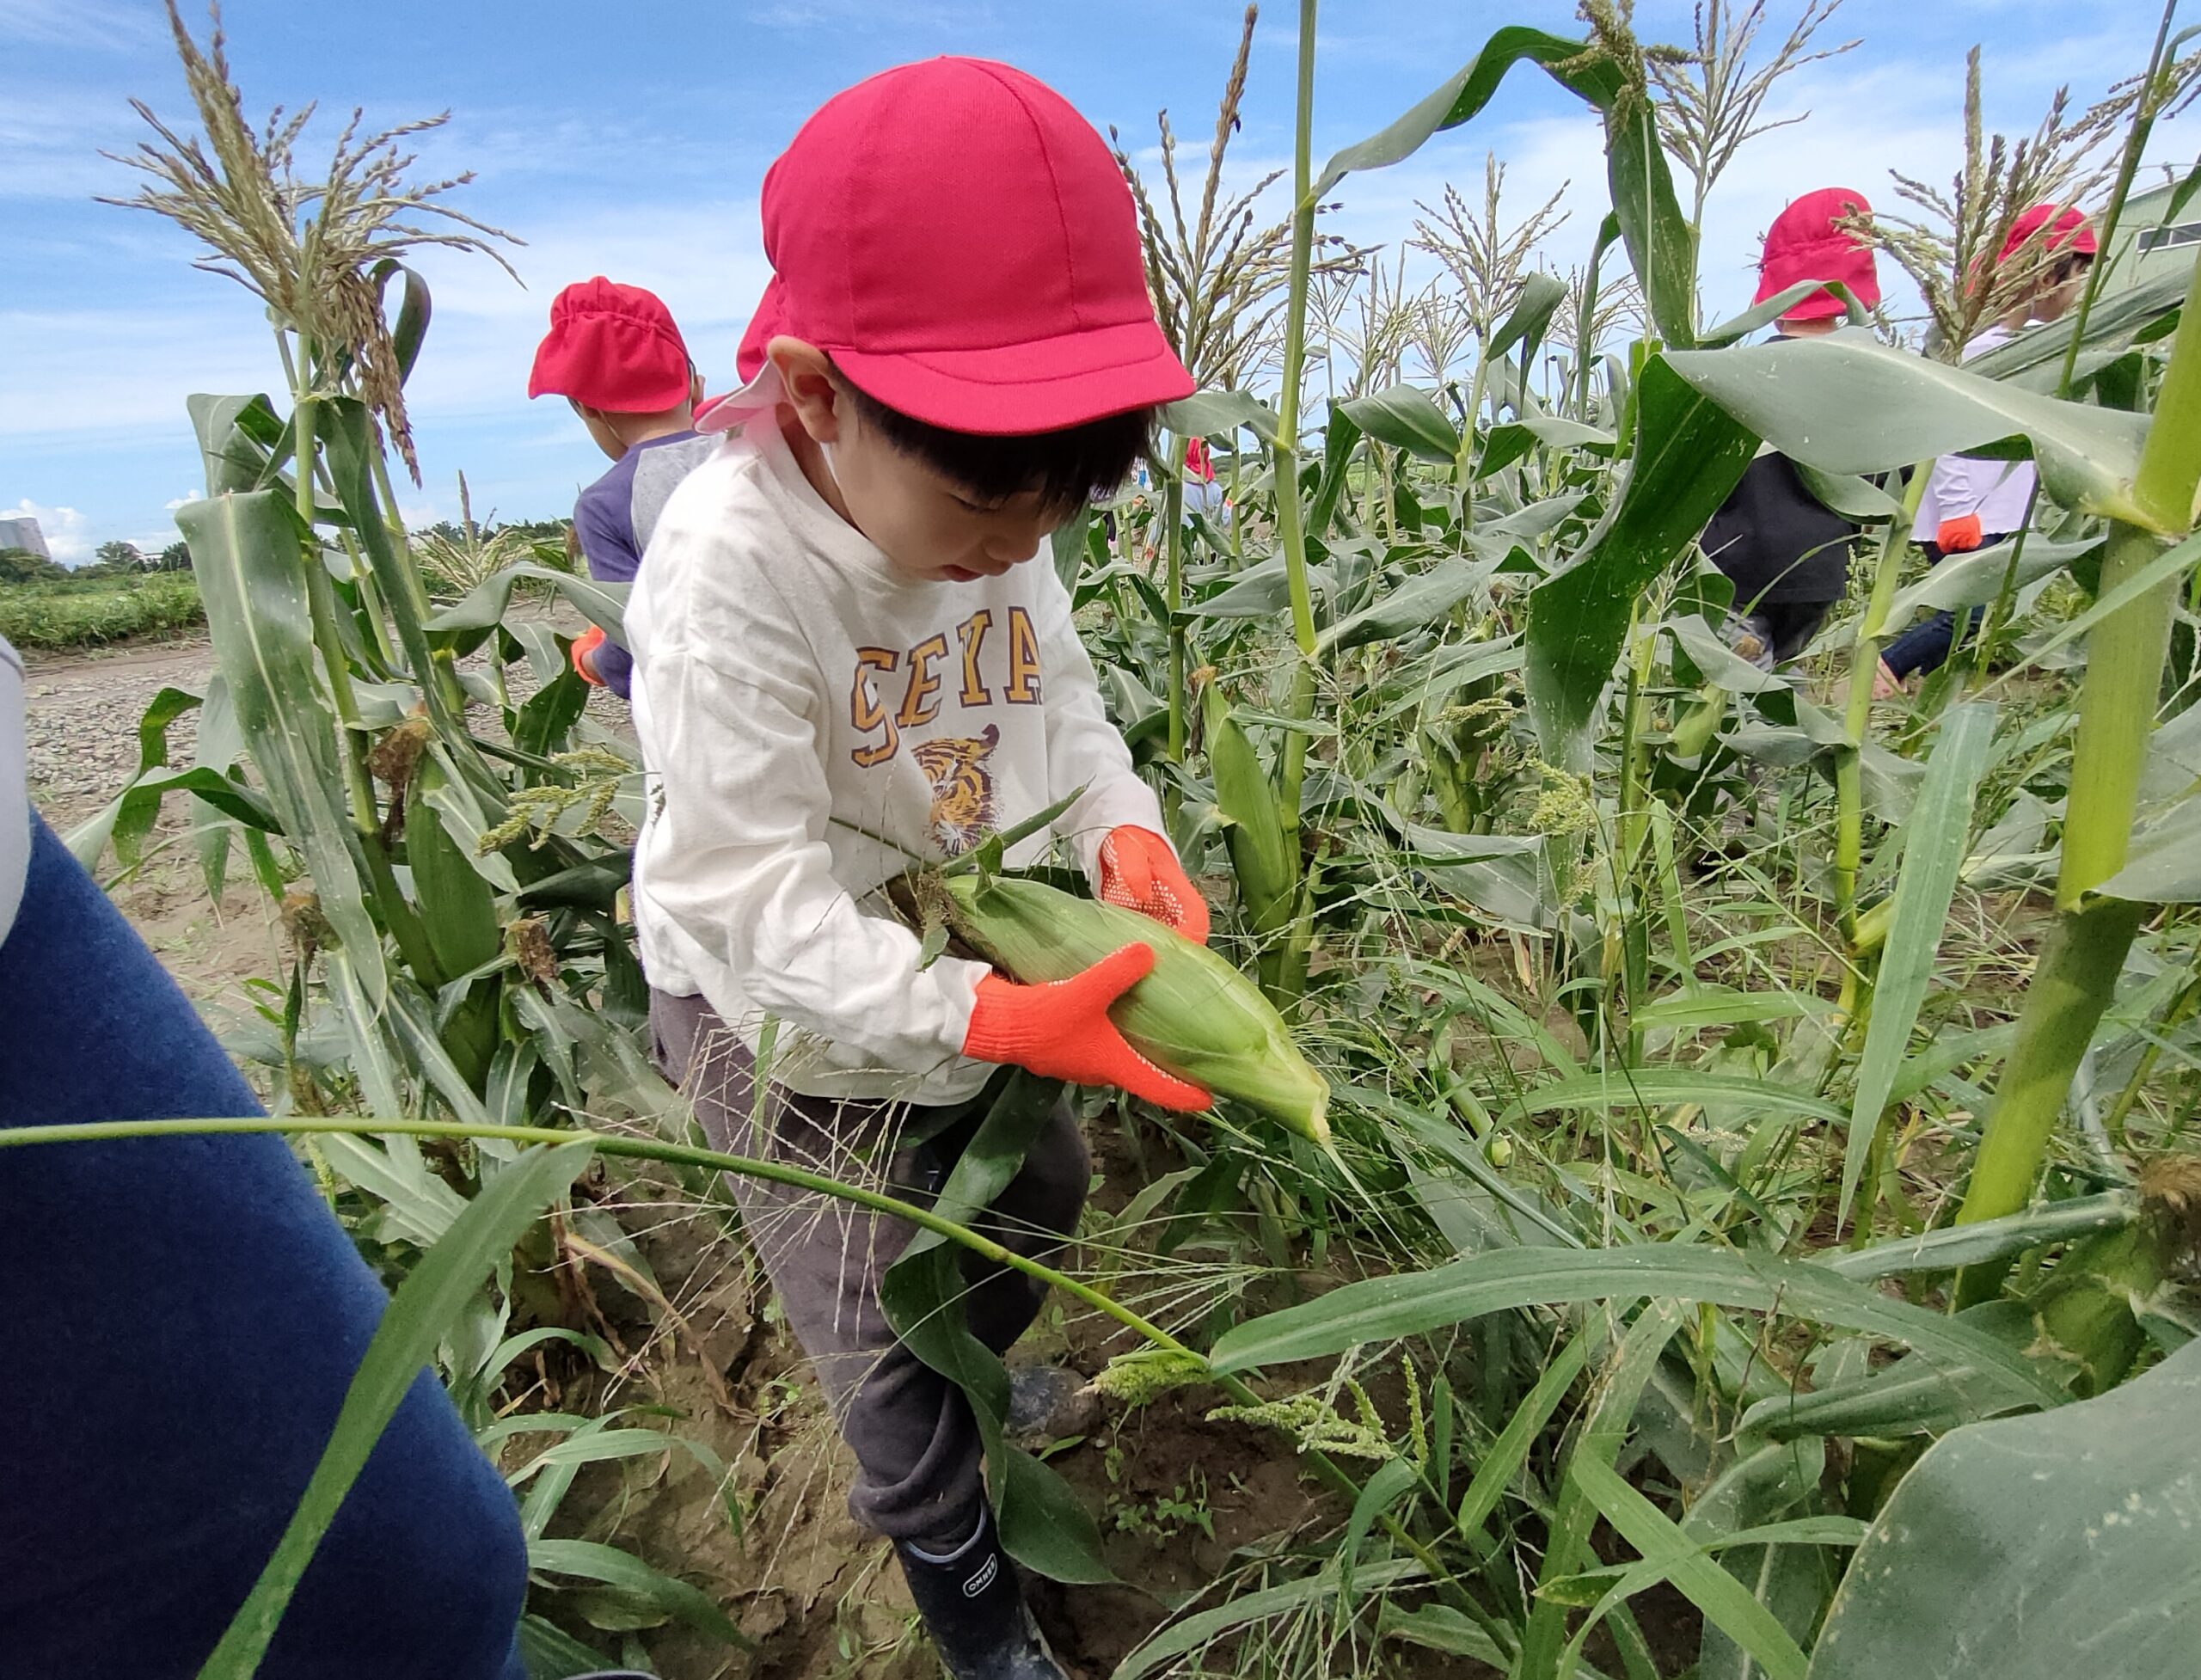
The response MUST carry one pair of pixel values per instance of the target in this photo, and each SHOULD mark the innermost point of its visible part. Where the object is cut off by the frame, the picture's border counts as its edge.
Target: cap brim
(1047, 385)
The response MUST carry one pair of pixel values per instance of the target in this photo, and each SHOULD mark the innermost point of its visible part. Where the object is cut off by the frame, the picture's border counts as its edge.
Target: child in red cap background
(614, 353)
(1787, 552)
(843, 661)
(1969, 502)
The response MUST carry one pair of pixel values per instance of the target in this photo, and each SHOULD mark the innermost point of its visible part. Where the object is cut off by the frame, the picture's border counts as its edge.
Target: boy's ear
(807, 373)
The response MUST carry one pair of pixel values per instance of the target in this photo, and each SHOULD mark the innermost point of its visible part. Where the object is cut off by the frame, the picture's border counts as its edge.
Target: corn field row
(1762, 1152)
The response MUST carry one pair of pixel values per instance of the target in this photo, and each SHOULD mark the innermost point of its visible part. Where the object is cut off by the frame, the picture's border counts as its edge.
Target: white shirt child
(812, 720)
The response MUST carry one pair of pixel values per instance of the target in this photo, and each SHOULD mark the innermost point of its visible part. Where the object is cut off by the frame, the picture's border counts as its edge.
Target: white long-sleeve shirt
(795, 695)
(1999, 491)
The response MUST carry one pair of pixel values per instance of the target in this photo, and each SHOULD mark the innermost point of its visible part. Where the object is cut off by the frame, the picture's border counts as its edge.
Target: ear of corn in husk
(1194, 1015)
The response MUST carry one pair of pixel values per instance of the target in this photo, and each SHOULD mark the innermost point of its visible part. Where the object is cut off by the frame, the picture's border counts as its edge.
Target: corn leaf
(1424, 599)
(1043, 1525)
(2164, 864)
(2121, 317)
(1651, 221)
(242, 443)
(2015, 1544)
(1411, 1304)
(590, 1560)
(246, 549)
(1972, 580)
(1911, 1396)
(1542, 293)
(1850, 404)
(1637, 1090)
(1405, 417)
(467, 623)
(350, 450)
(1934, 846)
(1219, 413)
(1502, 445)
(1950, 1246)
(1690, 455)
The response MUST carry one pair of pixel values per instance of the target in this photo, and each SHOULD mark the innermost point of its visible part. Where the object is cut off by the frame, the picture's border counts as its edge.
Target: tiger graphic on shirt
(962, 788)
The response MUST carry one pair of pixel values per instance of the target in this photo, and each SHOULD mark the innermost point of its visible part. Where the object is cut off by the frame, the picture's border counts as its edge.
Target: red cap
(613, 347)
(2071, 234)
(961, 242)
(1804, 243)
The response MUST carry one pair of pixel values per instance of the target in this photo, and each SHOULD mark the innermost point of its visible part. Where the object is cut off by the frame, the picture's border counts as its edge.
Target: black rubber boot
(975, 1611)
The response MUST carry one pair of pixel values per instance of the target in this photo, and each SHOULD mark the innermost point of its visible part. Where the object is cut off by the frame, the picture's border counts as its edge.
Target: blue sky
(631, 140)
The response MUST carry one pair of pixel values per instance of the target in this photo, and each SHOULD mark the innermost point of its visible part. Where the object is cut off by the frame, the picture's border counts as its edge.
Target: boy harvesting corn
(614, 354)
(844, 660)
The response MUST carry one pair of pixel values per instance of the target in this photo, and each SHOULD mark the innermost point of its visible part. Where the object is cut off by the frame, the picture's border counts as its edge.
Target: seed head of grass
(1316, 1425)
(1135, 1378)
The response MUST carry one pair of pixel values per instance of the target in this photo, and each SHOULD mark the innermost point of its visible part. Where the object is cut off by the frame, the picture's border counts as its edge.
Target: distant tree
(119, 558)
(21, 566)
(177, 557)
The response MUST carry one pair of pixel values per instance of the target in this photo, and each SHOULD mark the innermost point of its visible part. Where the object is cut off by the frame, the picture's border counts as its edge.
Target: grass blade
(1933, 851)
(1724, 1600)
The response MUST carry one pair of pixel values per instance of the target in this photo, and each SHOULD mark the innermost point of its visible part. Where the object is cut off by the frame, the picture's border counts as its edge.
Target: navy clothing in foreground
(184, 1315)
(614, 518)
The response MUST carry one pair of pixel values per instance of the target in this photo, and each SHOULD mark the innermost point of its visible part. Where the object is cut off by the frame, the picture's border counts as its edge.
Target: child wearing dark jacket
(1787, 552)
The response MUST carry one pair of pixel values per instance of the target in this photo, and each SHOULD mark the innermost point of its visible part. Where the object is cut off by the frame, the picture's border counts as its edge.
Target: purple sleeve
(602, 520)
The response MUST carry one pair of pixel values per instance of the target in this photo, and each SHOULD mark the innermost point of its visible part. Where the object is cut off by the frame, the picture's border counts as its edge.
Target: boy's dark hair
(2070, 267)
(1066, 468)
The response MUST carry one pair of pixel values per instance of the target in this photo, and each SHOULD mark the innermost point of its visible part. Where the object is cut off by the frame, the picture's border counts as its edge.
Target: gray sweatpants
(917, 1445)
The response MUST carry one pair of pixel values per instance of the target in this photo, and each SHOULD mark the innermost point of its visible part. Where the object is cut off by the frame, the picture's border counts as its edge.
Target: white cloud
(76, 23)
(67, 537)
(184, 500)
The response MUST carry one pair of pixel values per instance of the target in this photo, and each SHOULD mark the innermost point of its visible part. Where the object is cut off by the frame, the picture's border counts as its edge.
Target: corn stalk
(2078, 970)
(1291, 535)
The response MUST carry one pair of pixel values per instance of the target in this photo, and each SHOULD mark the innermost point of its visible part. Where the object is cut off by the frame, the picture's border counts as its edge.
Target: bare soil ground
(81, 735)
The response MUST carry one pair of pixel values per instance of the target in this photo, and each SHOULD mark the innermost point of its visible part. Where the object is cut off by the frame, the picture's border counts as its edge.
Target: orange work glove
(1062, 1031)
(1139, 872)
(584, 655)
(1958, 535)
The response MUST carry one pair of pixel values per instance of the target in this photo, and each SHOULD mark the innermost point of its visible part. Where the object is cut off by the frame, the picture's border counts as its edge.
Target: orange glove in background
(583, 655)
(1062, 1031)
(1958, 535)
(1139, 872)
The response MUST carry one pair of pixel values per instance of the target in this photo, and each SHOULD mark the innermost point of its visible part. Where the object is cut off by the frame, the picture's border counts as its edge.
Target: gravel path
(82, 727)
(81, 730)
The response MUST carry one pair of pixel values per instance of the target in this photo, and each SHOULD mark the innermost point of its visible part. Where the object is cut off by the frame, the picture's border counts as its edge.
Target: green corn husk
(1195, 1015)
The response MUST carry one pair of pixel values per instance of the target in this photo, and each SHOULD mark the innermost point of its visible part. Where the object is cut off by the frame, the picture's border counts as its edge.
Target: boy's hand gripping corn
(1194, 1015)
